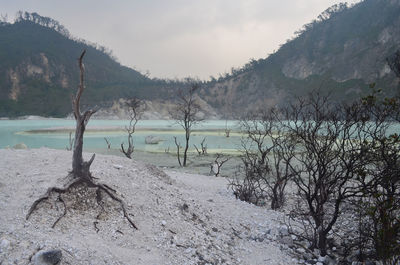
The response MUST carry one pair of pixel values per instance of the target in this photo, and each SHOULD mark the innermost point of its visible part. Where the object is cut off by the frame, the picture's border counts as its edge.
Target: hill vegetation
(38, 63)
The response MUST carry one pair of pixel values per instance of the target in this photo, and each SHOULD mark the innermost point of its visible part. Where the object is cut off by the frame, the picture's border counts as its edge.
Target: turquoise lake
(54, 133)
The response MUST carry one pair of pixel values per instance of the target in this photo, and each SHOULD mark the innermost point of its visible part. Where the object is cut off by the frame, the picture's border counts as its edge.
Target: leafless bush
(326, 161)
(266, 152)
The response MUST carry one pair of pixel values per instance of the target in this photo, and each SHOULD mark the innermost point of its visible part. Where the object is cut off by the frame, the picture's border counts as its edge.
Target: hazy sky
(180, 38)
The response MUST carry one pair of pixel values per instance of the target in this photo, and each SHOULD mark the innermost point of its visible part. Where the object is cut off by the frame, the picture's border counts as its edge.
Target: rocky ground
(181, 218)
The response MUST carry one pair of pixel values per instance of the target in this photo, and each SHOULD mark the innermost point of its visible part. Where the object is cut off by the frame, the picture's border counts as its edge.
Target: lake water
(54, 133)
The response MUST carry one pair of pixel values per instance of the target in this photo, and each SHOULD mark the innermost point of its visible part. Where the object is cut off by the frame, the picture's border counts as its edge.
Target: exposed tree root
(90, 184)
(64, 213)
(95, 223)
(80, 175)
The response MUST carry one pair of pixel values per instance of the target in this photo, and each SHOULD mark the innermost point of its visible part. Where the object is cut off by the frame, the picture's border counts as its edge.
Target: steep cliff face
(35, 68)
(352, 44)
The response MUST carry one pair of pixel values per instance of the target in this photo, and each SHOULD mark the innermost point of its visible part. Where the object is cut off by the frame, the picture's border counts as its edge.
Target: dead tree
(70, 143)
(108, 143)
(264, 173)
(178, 149)
(135, 111)
(186, 114)
(203, 150)
(80, 168)
(227, 130)
(325, 163)
(218, 163)
(80, 176)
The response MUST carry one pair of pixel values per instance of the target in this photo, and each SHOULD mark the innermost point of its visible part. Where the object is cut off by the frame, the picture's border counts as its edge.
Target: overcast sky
(180, 38)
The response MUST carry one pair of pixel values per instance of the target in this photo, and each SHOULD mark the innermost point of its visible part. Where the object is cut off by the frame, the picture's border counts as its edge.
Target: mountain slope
(342, 51)
(38, 64)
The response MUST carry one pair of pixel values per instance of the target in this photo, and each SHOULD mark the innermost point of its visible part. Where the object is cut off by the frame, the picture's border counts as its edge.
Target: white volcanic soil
(181, 218)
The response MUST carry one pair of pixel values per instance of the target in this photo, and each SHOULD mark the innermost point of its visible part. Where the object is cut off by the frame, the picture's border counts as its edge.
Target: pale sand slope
(182, 218)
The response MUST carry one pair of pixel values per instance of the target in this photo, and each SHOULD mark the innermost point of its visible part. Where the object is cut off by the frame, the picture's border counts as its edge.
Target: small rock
(163, 223)
(151, 139)
(185, 207)
(287, 240)
(117, 166)
(4, 244)
(301, 250)
(20, 146)
(188, 250)
(330, 261)
(308, 256)
(283, 231)
(319, 263)
(50, 257)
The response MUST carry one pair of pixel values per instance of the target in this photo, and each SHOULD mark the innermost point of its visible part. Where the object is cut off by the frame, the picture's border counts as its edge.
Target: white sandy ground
(182, 218)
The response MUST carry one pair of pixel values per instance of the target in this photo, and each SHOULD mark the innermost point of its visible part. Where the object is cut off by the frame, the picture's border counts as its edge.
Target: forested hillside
(38, 64)
(341, 51)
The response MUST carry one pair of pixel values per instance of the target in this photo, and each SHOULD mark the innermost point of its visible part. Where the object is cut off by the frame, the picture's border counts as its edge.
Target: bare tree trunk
(71, 142)
(80, 169)
(135, 107)
(185, 114)
(186, 148)
(178, 147)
